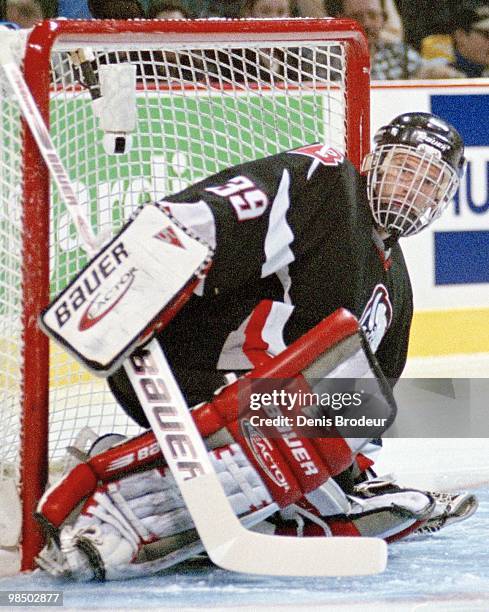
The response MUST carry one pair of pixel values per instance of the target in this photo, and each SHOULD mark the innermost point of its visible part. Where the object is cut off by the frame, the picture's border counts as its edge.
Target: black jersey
(294, 241)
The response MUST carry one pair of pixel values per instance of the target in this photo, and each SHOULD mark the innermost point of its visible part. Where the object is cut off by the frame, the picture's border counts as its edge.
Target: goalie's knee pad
(139, 524)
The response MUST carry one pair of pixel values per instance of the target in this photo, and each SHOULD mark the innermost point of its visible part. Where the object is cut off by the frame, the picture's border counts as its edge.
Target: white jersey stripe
(273, 330)
(232, 356)
(279, 235)
(283, 276)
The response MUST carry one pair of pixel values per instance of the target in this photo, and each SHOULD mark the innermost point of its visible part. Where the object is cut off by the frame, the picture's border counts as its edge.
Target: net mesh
(198, 110)
(10, 279)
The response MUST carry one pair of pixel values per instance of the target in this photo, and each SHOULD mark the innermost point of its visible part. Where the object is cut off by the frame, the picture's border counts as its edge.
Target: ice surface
(445, 571)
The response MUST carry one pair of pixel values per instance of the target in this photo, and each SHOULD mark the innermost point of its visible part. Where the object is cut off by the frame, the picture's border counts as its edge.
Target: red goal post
(209, 93)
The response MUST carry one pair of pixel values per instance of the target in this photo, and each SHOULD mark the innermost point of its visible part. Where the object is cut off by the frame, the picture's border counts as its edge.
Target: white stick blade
(233, 547)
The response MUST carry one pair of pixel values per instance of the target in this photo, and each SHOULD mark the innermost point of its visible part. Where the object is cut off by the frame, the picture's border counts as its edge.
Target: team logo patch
(168, 234)
(325, 155)
(377, 316)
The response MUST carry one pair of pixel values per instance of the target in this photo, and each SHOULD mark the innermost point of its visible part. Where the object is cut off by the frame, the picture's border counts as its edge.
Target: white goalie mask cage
(408, 187)
(413, 172)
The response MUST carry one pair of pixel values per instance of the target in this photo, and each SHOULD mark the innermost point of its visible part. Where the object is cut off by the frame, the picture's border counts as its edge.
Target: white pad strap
(329, 499)
(153, 504)
(126, 510)
(110, 514)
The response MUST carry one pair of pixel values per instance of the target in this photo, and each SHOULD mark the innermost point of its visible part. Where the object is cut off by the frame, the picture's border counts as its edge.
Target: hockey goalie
(304, 294)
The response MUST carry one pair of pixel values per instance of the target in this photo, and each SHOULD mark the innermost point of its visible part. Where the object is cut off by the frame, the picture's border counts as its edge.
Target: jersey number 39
(247, 200)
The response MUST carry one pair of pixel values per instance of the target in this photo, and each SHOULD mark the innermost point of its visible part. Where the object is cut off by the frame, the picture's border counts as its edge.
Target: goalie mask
(413, 172)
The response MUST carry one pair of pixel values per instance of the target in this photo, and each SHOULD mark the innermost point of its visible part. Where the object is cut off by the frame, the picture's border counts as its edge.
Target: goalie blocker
(292, 468)
(137, 281)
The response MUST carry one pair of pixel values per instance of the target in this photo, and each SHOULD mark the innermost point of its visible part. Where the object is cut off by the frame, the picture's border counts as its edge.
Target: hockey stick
(228, 543)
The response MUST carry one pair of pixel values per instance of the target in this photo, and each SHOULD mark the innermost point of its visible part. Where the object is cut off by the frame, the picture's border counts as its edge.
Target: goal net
(206, 95)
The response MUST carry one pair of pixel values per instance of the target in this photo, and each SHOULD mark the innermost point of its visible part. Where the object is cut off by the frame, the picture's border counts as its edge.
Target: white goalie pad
(134, 280)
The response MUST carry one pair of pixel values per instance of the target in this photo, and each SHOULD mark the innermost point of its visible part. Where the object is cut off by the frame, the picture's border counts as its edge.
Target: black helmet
(415, 129)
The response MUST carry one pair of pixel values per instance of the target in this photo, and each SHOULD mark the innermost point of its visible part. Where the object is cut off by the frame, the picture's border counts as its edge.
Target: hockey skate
(449, 508)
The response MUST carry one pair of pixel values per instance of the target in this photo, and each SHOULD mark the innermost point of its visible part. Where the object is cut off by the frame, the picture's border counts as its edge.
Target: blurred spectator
(166, 9)
(423, 18)
(438, 47)
(116, 9)
(470, 35)
(264, 9)
(390, 60)
(151, 64)
(25, 13)
(290, 64)
(168, 65)
(265, 64)
(392, 29)
(73, 9)
(254, 64)
(120, 9)
(310, 8)
(466, 47)
(49, 8)
(236, 8)
(215, 8)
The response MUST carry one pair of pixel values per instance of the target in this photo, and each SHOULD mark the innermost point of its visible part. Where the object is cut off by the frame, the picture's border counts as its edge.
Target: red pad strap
(209, 418)
(272, 466)
(343, 528)
(58, 501)
(125, 458)
(363, 462)
(286, 365)
(117, 462)
(335, 453)
(306, 464)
